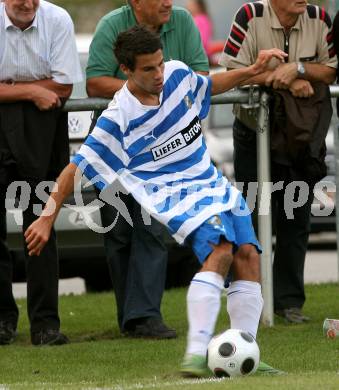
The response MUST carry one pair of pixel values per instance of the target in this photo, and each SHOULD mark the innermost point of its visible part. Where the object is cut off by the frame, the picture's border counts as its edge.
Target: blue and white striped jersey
(158, 153)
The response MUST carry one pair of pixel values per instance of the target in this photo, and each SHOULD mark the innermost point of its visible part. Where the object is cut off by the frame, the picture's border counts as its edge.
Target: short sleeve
(336, 33)
(64, 58)
(102, 157)
(101, 60)
(325, 46)
(239, 50)
(201, 89)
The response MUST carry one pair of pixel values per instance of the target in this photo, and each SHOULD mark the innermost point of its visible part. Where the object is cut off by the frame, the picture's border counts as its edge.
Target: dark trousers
(291, 234)
(42, 275)
(137, 259)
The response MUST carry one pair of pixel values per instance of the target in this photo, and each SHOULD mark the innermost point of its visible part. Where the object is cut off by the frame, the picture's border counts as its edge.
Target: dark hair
(133, 42)
(202, 5)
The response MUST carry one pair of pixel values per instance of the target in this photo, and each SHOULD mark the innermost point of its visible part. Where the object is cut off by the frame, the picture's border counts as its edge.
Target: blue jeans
(137, 260)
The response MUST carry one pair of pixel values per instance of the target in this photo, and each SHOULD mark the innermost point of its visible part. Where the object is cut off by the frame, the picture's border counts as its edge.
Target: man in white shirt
(38, 66)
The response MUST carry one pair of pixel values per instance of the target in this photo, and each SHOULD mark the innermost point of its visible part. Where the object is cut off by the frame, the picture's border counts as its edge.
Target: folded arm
(286, 76)
(103, 86)
(45, 94)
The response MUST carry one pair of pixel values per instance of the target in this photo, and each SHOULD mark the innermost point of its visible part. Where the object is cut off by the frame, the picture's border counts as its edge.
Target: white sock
(244, 305)
(203, 305)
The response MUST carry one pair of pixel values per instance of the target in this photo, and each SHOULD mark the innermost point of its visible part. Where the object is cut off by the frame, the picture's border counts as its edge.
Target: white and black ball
(233, 353)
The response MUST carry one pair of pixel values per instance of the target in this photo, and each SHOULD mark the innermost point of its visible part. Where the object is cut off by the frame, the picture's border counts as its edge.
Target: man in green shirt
(137, 255)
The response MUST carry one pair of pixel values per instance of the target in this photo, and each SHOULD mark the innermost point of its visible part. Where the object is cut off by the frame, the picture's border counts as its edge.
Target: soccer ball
(233, 353)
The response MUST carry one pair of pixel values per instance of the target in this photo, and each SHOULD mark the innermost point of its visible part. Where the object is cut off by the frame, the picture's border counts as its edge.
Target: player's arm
(106, 86)
(224, 81)
(37, 234)
(259, 79)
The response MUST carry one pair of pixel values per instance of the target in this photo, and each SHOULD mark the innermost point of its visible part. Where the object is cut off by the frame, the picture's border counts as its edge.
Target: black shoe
(152, 328)
(49, 337)
(7, 333)
(293, 315)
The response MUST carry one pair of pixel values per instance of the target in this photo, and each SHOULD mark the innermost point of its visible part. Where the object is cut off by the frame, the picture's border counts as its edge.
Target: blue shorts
(237, 229)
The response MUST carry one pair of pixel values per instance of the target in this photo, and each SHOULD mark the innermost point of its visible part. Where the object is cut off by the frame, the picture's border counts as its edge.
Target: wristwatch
(301, 69)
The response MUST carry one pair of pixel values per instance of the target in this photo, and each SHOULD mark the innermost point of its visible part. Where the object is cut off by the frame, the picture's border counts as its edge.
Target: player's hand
(283, 76)
(44, 99)
(37, 235)
(265, 56)
(301, 88)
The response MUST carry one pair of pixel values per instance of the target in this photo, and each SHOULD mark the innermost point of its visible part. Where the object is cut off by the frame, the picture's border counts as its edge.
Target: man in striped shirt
(149, 140)
(304, 32)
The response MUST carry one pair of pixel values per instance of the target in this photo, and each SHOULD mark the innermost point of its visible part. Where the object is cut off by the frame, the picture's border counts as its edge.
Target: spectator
(39, 64)
(198, 9)
(132, 250)
(336, 45)
(304, 32)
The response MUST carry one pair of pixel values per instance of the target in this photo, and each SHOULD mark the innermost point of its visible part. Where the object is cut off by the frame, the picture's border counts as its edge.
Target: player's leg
(244, 299)
(203, 296)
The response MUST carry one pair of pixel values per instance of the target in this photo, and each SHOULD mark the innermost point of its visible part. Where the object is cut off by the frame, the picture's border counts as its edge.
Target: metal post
(334, 89)
(264, 197)
(336, 152)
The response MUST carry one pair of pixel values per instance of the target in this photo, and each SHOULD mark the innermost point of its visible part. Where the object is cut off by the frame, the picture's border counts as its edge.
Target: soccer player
(149, 141)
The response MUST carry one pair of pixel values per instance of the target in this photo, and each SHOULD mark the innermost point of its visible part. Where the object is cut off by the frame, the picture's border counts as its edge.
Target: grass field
(99, 357)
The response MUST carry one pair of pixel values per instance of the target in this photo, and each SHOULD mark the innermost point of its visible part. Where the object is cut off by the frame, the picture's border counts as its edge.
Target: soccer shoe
(264, 368)
(49, 337)
(7, 333)
(194, 366)
(152, 328)
(293, 315)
